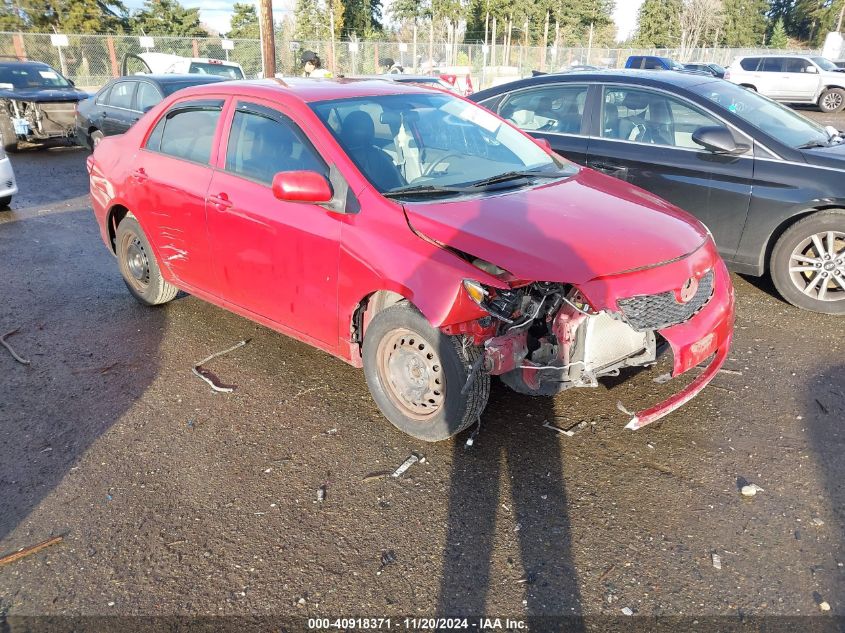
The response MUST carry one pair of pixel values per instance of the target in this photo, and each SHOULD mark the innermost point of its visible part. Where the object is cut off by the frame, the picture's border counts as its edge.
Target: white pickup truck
(792, 79)
(165, 63)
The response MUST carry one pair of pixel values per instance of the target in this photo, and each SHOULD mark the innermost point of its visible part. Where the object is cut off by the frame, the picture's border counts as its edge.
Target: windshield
(779, 122)
(23, 76)
(432, 141)
(220, 70)
(824, 64)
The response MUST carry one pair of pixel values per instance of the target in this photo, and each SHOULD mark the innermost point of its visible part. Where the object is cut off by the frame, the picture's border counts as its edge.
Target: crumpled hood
(44, 95)
(569, 231)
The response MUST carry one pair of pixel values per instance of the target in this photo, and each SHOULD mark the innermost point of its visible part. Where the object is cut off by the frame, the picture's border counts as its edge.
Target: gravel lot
(173, 499)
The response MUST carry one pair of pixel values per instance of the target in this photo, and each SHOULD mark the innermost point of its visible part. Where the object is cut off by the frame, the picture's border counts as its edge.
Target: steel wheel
(134, 261)
(817, 266)
(411, 370)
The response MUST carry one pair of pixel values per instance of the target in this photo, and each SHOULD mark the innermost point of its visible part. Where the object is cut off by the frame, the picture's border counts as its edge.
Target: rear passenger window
(121, 94)
(750, 63)
(148, 96)
(186, 133)
(557, 109)
(262, 144)
(772, 65)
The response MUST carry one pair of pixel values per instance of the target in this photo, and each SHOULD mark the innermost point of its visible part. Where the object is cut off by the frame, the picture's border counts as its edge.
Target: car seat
(357, 133)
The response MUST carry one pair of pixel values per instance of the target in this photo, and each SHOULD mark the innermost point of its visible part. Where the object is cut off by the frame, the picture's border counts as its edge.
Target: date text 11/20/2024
(423, 624)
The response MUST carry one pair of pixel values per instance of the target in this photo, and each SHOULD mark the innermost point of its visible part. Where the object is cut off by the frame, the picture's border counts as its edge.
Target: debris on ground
(824, 606)
(412, 459)
(622, 408)
(717, 561)
(749, 490)
(821, 602)
(817, 521)
(381, 474)
(607, 572)
(471, 439)
(209, 377)
(569, 431)
(822, 407)
(321, 493)
(14, 354)
(627, 611)
(29, 551)
(388, 557)
(663, 378)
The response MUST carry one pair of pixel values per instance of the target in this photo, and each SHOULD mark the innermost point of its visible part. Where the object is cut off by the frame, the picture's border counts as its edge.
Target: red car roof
(310, 89)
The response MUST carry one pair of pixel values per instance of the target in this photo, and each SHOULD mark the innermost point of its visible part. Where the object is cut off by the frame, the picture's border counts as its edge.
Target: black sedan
(122, 101)
(768, 182)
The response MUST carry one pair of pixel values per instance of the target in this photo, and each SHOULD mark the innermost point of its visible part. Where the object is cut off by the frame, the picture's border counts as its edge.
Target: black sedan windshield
(776, 120)
(23, 76)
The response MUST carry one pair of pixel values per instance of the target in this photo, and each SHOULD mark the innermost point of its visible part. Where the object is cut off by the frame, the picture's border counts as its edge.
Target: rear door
(170, 183)
(646, 139)
(118, 114)
(555, 112)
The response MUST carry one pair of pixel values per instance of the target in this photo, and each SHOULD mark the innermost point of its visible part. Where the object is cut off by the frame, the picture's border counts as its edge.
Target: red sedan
(415, 234)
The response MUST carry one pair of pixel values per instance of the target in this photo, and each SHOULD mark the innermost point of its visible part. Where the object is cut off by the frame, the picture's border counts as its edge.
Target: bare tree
(700, 19)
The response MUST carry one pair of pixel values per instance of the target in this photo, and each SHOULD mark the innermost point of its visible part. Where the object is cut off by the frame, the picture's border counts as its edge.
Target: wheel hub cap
(411, 373)
(817, 266)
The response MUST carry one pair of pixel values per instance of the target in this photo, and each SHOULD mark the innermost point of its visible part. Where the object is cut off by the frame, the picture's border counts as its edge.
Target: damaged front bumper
(631, 312)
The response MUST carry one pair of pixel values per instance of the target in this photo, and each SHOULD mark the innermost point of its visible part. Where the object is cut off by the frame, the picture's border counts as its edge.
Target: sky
(217, 13)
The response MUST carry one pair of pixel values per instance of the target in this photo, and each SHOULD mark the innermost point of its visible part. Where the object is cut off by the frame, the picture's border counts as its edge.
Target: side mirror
(811, 69)
(717, 139)
(544, 143)
(302, 186)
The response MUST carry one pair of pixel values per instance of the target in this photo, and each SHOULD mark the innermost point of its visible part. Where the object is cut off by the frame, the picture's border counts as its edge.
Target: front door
(274, 258)
(798, 83)
(646, 139)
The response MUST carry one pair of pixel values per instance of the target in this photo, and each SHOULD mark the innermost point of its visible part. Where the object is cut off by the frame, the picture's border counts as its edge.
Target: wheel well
(783, 227)
(367, 308)
(116, 215)
(92, 129)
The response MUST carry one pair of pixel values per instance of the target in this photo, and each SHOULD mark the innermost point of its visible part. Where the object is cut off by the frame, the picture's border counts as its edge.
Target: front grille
(655, 312)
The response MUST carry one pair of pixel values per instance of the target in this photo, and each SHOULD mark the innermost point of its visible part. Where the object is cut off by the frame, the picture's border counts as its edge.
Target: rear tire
(810, 257)
(416, 373)
(832, 100)
(7, 134)
(139, 267)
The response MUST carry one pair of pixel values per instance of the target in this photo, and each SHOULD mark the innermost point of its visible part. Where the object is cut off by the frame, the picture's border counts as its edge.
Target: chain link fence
(92, 60)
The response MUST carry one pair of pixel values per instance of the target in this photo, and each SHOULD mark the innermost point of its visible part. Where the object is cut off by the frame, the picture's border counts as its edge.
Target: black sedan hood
(44, 95)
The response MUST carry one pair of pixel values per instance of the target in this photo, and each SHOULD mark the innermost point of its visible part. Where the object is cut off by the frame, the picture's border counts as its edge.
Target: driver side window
(557, 109)
(643, 116)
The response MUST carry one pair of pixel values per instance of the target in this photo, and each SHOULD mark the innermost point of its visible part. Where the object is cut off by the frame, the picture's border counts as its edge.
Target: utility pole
(331, 37)
(268, 38)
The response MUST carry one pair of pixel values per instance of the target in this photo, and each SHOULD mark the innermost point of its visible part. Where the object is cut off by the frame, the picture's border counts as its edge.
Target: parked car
(413, 233)
(652, 62)
(165, 63)
(8, 186)
(765, 180)
(36, 103)
(792, 79)
(706, 67)
(122, 101)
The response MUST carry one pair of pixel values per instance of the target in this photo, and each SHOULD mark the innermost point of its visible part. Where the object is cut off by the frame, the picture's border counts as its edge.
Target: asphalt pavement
(176, 500)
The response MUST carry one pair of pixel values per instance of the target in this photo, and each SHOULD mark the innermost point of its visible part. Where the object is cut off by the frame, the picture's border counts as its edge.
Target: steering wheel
(442, 159)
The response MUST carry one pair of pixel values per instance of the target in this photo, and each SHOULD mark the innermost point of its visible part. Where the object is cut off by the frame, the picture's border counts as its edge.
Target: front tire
(832, 100)
(416, 373)
(7, 134)
(139, 267)
(808, 263)
(4, 202)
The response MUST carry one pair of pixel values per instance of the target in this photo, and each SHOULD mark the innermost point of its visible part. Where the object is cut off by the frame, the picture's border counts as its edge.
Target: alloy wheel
(817, 266)
(832, 101)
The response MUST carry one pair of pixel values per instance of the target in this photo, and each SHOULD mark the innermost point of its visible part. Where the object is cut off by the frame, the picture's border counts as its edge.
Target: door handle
(140, 175)
(221, 201)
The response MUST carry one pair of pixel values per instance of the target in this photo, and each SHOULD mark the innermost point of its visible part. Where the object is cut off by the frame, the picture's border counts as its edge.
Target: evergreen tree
(744, 23)
(779, 38)
(90, 16)
(244, 23)
(167, 17)
(11, 19)
(658, 24)
(361, 18)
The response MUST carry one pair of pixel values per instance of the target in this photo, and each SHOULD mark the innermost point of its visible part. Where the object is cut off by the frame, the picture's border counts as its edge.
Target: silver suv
(792, 79)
